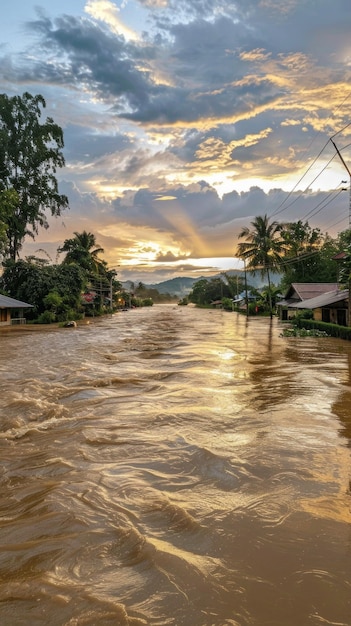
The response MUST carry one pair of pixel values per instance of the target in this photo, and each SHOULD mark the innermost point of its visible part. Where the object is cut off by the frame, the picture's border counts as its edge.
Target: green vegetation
(263, 249)
(184, 301)
(147, 296)
(30, 154)
(81, 285)
(207, 291)
(303, 332)
(55, 289)
(332, 330)
(296, 251)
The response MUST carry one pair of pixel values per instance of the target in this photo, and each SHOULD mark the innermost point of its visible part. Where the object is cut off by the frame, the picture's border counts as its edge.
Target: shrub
(227, 304)
(48, 317)
(333, 330)
(306, 314)
(147, 302)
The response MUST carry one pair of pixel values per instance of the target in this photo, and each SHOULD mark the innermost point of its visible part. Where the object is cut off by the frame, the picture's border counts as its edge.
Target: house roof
(339, 256)
(11, 303)
(324, 300)
(305, 291)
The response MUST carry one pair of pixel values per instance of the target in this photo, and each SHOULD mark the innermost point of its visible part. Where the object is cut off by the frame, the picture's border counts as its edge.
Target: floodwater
(174, 466)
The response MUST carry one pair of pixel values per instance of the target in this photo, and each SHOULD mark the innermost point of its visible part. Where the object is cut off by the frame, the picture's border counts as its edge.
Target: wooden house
(326, 300)
(11, 311)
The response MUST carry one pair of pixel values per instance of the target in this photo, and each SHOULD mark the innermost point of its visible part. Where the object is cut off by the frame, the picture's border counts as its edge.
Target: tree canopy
(30, 154)
(263, 248)
(83, 250)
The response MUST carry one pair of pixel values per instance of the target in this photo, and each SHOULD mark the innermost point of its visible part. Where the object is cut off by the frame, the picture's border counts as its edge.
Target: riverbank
(49, 327)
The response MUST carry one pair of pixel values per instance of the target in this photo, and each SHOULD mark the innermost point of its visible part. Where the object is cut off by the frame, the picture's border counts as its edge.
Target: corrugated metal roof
(288, 303)
(305, 291)
(11, 303)
(325, 299)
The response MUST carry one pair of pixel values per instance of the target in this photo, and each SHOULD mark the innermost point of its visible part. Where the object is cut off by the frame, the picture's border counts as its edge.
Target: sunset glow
(184, 121)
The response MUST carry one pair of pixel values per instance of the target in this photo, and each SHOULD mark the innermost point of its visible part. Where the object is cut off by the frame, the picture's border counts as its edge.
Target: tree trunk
(269, 295)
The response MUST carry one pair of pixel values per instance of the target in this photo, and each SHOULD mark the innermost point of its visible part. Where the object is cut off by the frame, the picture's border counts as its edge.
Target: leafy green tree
(316, 264)
(300, 238)
(236, 283)
(28, 280)
(263, 249)
(147, 302)
(302, 246)
(197, 294)
(82, 250)
(206, 291)
(344, 239)
(33, 280)
(270, 295)
(30, 154)
(8, 203)
(345, 262)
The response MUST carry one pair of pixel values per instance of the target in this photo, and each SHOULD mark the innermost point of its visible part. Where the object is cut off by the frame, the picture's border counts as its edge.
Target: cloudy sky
(184, 119)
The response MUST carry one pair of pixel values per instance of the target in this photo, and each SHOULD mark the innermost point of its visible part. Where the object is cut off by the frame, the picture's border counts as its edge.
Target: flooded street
(174, 466)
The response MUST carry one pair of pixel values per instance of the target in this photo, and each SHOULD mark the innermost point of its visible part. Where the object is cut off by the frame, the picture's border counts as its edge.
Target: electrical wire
(298, 182)
(324, 203)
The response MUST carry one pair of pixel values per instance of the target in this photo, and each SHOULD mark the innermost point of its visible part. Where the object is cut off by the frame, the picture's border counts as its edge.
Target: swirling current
(171, 466)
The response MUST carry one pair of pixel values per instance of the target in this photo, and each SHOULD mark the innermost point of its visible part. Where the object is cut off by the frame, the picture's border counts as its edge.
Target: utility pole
(349, 173)
(246, 297)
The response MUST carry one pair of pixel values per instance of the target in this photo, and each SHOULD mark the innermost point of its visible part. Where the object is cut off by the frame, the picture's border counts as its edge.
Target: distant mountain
(182, 286)
(175, 286)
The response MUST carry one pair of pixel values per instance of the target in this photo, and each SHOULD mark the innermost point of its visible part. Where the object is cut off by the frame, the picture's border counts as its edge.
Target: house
(329, 307)
(11, 311)
(217, 304)
(240, 299)
(300, 292)
(326, 300)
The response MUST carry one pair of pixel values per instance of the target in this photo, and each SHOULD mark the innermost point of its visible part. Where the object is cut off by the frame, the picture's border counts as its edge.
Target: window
(326, 315)
(341, 317)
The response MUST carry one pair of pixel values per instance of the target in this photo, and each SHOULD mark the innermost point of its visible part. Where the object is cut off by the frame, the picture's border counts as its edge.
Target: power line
(299, 181)
(279, 208)
(324, 202)
(336, 223)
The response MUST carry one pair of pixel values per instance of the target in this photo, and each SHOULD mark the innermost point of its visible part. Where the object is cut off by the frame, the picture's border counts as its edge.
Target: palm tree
(82, 250)
(262, 249)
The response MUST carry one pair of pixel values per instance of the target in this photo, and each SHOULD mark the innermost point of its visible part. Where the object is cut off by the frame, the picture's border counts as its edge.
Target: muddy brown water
(174, 466)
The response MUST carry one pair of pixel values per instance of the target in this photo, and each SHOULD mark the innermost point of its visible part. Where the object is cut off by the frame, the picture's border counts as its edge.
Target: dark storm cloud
(213, 214)
(200, 202)
(198, 60)
(85, 54)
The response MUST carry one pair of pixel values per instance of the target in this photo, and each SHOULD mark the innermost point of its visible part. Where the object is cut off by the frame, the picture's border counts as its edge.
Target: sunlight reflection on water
(175, 466)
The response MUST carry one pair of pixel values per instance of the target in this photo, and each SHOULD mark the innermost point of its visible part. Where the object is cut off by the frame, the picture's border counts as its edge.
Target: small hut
(11, 311)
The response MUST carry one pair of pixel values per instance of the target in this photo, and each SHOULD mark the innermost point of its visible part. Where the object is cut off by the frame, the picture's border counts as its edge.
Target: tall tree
(303, 244)
(32, 279)
(8, 202)
(30, 154)
(82, 250)
(262, 249)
